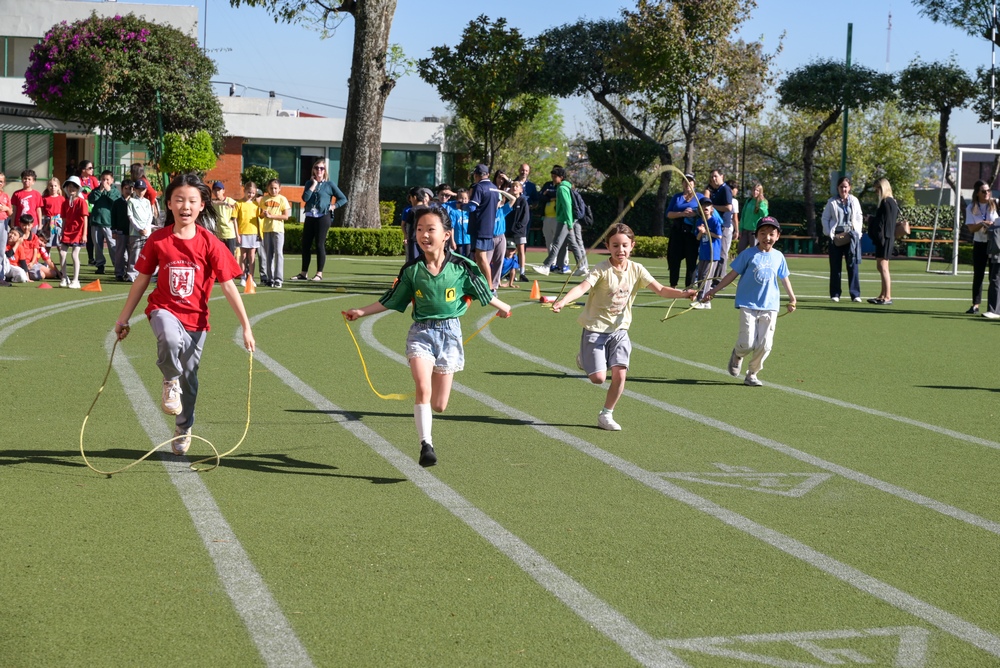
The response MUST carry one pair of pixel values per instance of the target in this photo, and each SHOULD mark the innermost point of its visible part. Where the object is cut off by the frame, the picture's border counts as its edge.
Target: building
(30, 139)
(260, 131)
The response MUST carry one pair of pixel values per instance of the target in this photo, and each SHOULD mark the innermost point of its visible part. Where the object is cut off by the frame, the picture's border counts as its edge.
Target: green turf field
(846, 513)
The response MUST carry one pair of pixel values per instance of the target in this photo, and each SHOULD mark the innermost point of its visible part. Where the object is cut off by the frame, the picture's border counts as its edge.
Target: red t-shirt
(52, 205)
(29, 249)
(150, 192)
(25, 202)
(74, 221)
(188, 270)
(89, 182)
(4, 201)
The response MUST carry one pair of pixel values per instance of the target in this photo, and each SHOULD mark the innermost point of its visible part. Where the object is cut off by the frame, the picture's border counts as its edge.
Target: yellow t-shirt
(274, 205)
(246, 217)
(225, 208)
(609, 304)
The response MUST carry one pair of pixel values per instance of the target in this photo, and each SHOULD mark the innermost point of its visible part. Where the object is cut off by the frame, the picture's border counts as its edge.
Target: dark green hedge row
(350, 241)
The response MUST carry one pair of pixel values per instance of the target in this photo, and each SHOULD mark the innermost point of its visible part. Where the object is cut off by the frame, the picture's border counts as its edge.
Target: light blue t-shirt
(759, 274)
(459, 223)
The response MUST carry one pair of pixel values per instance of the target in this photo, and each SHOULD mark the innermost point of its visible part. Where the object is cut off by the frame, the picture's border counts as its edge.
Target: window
(333, 164)
(26, 150)
(408, 168)
(16, 51)
(282, 159)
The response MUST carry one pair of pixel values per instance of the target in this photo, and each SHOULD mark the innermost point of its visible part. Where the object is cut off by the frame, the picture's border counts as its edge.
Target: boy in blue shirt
(757, 298)
(709, 230)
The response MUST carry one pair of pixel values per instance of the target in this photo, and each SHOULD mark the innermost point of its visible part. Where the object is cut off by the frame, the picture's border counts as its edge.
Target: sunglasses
(320, 169)
(984, 190)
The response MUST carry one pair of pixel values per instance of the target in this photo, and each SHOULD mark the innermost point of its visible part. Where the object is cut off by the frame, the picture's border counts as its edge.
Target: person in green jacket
(566, 221)
(102, 200)
(754, 209)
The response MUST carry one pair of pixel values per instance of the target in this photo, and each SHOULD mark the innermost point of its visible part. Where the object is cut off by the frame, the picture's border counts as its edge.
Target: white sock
(422, 415)
(607, 411)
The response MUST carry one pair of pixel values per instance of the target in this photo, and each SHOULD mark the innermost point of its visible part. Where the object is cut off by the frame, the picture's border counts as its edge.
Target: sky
(254, 52)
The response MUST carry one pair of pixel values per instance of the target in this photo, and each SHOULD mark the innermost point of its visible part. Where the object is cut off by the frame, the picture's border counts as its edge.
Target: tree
(621, 160)
(187, 154)
(685, 61)
(117, 72)
(488, 79)
(975, 17)
(540, 141)
(827, 87)
(368, 89)
(936, 88)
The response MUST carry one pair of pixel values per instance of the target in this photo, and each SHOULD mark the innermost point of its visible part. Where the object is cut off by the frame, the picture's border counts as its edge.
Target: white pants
(756, 336)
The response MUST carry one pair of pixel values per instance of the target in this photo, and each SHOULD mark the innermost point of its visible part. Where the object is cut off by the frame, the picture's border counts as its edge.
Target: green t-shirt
(437, 297)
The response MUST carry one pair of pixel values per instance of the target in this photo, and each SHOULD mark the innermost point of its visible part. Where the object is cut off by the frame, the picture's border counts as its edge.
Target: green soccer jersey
(437, 297)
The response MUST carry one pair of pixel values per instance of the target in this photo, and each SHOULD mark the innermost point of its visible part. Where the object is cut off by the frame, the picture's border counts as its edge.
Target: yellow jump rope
(216, 458)
(396, 397)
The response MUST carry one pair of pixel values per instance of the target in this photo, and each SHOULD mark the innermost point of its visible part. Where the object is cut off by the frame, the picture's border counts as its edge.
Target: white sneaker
(183, 441)
(539, 269)
(74, 285)
(64, 282)
(171, 401)
(581, 271)
(990, 315)
(605, 421)
(702, 306)
(835, 299)
(856, 300)
(751, 380)
(734, 364)
(243, 282)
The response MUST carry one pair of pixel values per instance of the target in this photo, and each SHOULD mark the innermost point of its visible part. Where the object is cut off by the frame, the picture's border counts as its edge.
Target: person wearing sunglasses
(320, 198)
(979, 217)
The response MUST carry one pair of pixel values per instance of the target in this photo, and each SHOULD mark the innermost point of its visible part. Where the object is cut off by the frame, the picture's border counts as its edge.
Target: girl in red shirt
(190, 260)
(52, 204)
(74, 232)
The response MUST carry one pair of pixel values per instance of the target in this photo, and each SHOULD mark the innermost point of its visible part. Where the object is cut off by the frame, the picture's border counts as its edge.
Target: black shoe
(100, 269)
(875, 301)
(427, 456)
(973, 310)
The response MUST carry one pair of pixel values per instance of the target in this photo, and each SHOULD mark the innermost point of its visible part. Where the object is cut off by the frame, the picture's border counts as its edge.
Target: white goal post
(962, 151)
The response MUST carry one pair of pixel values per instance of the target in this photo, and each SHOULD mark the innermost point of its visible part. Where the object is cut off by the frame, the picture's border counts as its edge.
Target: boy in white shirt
(140, 217)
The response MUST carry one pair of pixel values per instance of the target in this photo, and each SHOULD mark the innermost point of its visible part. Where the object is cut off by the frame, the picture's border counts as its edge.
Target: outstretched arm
(576, 292)
(371, 309)
(135, 293)
(236, 303)
(672, 293)
(726, 280)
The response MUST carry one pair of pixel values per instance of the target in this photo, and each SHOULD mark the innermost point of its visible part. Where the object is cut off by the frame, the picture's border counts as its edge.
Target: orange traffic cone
(44, 285)
(92, 287)
(536, 293)
(250, 288)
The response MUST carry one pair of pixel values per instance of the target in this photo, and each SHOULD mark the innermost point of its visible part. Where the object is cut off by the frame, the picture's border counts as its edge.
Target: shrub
(182, 153)
(655, 247)
(259, 175)
(350, 240)
(387, 213)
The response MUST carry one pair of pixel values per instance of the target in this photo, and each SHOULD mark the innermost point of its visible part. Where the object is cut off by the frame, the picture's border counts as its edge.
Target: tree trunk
(808, 148)
(368, 89)
(943, 148)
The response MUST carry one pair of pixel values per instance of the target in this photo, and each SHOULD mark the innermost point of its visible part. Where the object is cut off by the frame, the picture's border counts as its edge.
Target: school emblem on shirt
(763, 271)
(181, 281)
(449, 295)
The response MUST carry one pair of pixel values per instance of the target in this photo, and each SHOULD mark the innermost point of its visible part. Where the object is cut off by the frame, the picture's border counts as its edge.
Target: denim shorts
(484, 245)
(601, 350)
(439, 341)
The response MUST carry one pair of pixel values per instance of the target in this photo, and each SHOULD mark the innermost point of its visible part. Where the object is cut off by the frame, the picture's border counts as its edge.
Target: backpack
(581, 210)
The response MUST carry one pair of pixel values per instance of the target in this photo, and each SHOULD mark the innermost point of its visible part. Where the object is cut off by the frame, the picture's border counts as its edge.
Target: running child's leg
(618, 374)
(617, 351)
(763, 324)
(440, 391)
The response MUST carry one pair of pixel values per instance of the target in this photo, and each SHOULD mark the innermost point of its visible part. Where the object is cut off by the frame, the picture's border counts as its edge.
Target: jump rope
(216, 457)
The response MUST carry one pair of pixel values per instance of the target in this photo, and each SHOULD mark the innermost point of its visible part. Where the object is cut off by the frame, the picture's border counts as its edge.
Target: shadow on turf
(276, 463)
(960, 387)
(357, 415)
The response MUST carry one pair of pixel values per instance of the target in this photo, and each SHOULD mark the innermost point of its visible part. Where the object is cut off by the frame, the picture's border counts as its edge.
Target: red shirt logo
(181, 281)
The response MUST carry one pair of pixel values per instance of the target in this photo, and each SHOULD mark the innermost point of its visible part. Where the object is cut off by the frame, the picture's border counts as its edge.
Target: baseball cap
(511, 245)
(481, 169)
(689, 177)
(218, 185)
(768, 220)
(424, 193)
(140, 184)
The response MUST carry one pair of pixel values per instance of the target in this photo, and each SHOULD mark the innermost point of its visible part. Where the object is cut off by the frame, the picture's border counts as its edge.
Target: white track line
(946, 621)
(614, 625)
(850, 474)
(267, 626)
(836, 402)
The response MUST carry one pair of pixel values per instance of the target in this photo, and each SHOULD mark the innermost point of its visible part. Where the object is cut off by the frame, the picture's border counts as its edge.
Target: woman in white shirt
(981, 211)
(843, 214)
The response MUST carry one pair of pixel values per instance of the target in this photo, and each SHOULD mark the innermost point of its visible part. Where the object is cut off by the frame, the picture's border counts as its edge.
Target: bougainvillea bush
(105, 72)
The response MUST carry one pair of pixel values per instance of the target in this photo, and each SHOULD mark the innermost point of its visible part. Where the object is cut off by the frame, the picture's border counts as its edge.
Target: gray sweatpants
(273, 260)
(178, 353)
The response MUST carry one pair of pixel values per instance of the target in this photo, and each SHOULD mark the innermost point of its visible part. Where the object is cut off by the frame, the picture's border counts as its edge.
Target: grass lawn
(846, 513)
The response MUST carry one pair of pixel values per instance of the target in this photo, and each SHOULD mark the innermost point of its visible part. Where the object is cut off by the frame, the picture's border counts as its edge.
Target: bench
(912, 244)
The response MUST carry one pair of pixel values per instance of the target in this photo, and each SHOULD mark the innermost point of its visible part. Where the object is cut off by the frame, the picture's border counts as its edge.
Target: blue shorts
(485, 245)
(602, 350)
(439, 341)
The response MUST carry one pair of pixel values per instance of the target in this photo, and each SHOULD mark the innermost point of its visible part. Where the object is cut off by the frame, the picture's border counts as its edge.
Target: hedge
(350, 240)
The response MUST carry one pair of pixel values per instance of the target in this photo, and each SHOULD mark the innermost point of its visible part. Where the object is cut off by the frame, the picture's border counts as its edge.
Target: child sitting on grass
(757, 298)
(608, 314)
(511, 267)
(435, 283)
